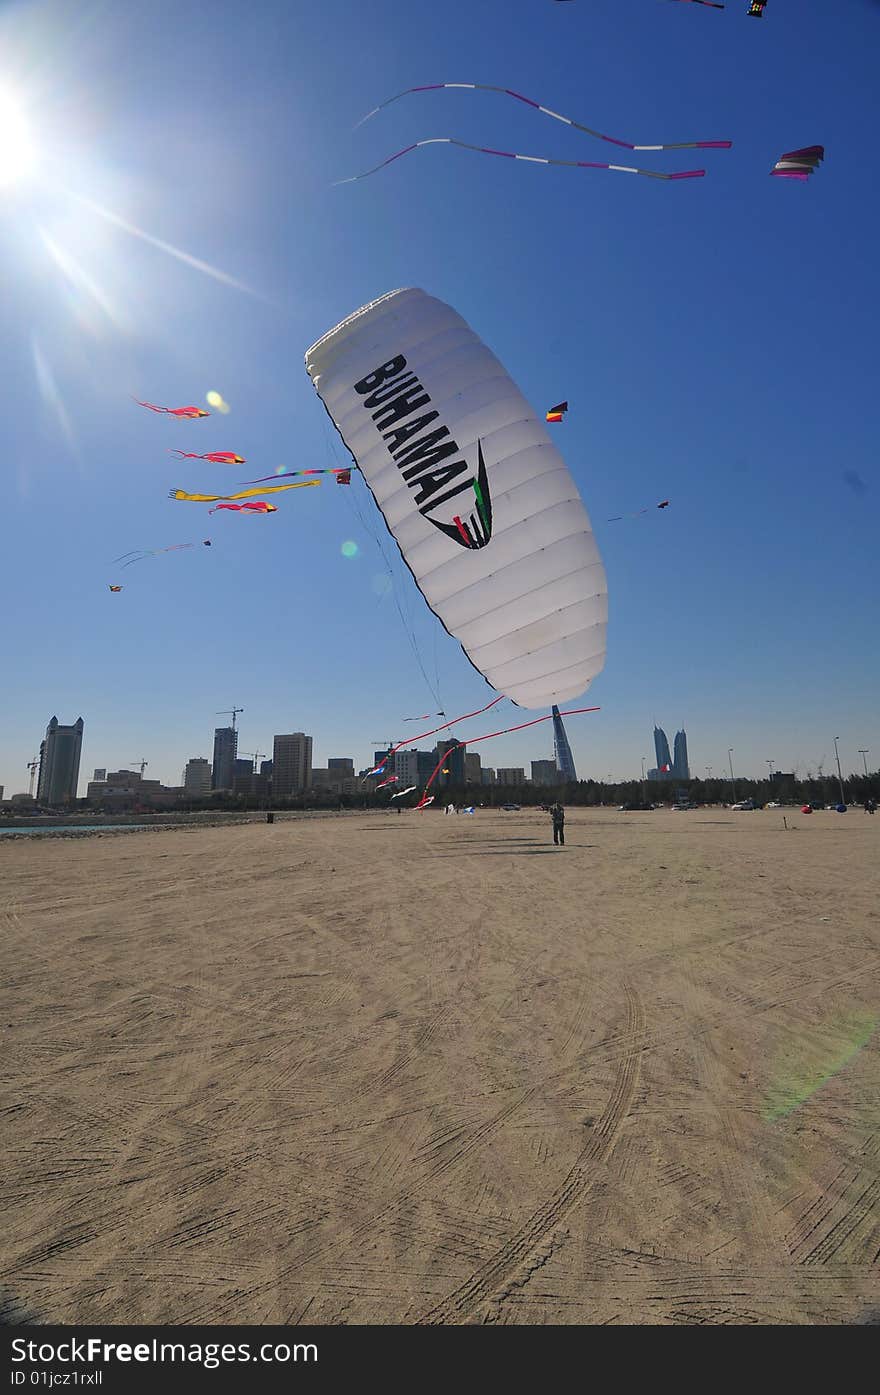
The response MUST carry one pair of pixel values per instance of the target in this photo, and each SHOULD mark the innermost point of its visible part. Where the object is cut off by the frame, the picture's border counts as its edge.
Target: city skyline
(524, 752)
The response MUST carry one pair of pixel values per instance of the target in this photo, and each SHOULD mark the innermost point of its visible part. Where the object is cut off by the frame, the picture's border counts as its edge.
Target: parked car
(510, 806)
(745, 804)
(634, 807)
(774, 804)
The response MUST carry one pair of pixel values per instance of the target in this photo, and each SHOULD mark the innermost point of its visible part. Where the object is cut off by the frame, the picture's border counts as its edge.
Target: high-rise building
(100, 773)
(291, 764)
(564, 758)
(197, 777)
(225, 748)
(680, 767)
(241, 769)
(487, 775)
(60, 751)
(343, 765)
(661, 748)
(545, 772)
(472, 766)
(406, 768)
(265, 767)
(454, 762)
(510, 775)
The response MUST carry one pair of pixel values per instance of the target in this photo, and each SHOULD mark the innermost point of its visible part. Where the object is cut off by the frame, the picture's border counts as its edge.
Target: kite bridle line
(575, 711)
(354, 505)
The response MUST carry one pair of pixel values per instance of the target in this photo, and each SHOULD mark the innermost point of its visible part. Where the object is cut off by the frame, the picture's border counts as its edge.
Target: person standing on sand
(557, 814)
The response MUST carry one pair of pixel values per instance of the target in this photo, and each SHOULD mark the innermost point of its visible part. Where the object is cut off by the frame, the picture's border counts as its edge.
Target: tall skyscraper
(455, 763)
(564, 758)
(197, 776)
(342, 766)
(225, 748)
(60, 751)
(100, 773)
(661, 748)
(680, 767)
(291, 764)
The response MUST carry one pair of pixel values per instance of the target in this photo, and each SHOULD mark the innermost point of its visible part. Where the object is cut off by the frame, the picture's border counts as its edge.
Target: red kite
(216, 457)
(174, 411)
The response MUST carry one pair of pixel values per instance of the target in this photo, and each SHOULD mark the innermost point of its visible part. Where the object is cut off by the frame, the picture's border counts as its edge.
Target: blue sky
(715, 339)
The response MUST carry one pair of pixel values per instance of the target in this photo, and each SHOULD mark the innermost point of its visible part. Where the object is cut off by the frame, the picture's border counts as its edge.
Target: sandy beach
(428, 1069)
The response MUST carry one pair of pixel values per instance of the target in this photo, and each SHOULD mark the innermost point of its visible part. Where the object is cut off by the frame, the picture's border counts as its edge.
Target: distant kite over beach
(756, 8)
(216, 457)
(799, 164)
(291, 474)
(140, 555)
(558, 412)
(664, 504)
(258, 506)
(192, 412)
(242, 494)
(115, 588)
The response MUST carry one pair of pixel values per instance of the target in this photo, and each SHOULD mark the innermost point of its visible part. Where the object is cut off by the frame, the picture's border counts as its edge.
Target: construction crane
(230, 712)
(142, 763)
(33, 766)
(254, 756)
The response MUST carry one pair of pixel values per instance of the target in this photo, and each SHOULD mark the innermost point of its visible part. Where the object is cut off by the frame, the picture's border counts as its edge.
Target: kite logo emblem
(394, 398)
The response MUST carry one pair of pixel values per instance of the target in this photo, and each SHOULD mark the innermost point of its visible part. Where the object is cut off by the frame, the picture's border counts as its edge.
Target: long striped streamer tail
(531, 159)
(547, 111)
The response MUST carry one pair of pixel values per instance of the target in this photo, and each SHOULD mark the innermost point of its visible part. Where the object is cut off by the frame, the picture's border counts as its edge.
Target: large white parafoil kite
(477, 496)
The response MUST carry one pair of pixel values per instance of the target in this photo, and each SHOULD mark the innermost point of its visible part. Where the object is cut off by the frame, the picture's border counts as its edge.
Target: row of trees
(819, 790)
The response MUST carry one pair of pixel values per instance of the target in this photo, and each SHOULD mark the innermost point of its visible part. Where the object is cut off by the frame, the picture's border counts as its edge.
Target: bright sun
(17, 154)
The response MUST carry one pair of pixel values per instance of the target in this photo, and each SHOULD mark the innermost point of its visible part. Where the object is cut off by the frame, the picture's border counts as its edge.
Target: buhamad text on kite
(391, 395)
(453, 454)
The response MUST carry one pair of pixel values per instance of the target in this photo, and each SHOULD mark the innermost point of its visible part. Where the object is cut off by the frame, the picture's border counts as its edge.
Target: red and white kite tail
(463, 718)
(472, 740)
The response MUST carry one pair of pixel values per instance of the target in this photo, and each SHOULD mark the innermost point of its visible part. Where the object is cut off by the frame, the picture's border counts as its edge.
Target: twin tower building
(670, 767)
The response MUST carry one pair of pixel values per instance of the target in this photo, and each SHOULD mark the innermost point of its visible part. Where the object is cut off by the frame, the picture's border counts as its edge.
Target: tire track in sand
(524, 1248)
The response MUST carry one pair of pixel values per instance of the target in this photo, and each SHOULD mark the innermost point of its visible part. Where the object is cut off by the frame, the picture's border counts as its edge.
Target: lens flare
(804, 1070)
(215, 400)
(349, 549)
(17, 154)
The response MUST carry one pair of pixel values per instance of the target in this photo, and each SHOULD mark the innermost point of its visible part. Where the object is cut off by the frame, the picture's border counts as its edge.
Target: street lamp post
(839, 776)
(863, 752)
(769, 765)
(643, 779)
(730, 763)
